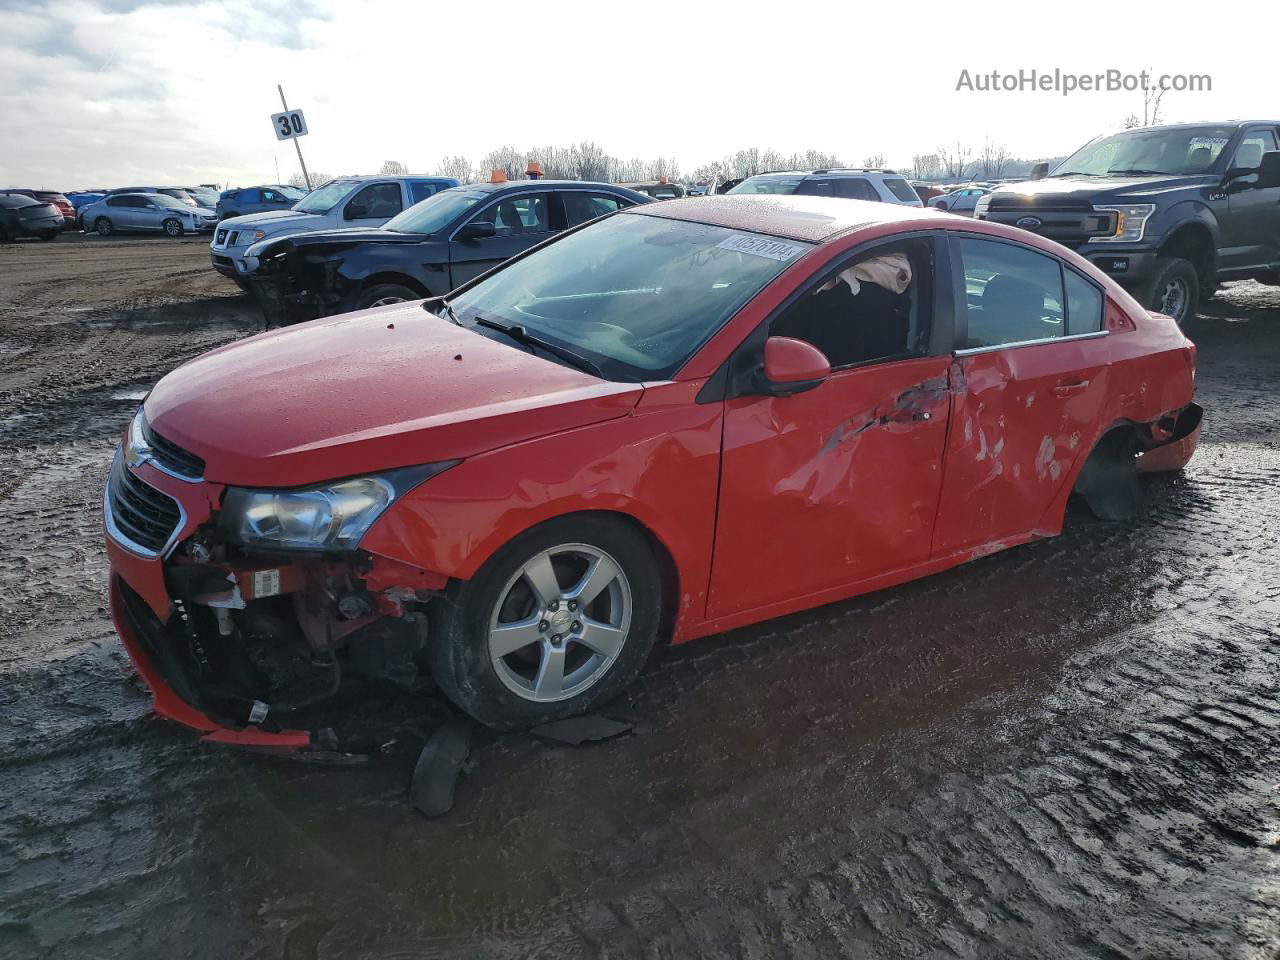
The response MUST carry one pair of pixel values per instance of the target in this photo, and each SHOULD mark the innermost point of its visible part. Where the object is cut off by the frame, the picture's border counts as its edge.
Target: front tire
(104, 227)
(172, 228)
(384, 294)
(1174, 290)
(556, 623)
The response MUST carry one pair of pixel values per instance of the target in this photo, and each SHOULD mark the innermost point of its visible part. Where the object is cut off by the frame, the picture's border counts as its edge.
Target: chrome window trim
(118, 535)
(971, 351)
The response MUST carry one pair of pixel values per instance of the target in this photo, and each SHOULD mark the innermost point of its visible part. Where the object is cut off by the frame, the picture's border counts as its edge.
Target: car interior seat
(1011, 309)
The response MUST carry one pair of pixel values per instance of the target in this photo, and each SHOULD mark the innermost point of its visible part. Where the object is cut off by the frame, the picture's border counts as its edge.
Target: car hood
(365, 392)
(1097, 188)
(345, 237)
(274, 221)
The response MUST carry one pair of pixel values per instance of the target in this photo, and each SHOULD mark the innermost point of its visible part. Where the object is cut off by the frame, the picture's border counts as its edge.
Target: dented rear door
(829, 487)
(1021, 418)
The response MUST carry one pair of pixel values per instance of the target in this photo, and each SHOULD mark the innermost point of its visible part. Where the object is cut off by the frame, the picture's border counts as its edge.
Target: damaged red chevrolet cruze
(671, 421)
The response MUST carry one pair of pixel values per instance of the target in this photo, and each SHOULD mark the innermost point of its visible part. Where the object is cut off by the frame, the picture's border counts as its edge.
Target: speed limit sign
(289, 125)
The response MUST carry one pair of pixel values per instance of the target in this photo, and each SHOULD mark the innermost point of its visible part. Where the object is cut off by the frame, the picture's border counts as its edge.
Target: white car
(852, 183)
(962, 201)
(345, 202)
(145, 213)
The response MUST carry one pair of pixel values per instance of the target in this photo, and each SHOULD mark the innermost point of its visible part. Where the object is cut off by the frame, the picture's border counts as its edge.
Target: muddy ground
(1065, 750)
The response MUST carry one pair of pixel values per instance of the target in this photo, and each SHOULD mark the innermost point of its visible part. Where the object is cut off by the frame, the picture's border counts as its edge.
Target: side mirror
(477, 230)
(791, 366)
(1269, 170)
(356, 211)
(1039, 171)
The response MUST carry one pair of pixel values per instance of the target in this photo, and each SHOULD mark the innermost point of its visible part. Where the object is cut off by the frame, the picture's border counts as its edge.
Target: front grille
(170, 456)
(138, 512)
(1021, 201)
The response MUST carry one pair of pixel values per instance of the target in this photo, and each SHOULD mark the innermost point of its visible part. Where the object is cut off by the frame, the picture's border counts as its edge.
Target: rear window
(901, 189)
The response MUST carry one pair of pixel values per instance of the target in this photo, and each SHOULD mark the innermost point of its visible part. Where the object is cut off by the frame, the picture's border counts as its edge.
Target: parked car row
(24, 216)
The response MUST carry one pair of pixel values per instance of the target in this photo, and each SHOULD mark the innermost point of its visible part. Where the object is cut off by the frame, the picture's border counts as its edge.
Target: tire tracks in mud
(1063, 750)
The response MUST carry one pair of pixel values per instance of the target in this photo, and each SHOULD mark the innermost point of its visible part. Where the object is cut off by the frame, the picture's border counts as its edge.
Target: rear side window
(900, 189)
(1012, 294)
(1084, 305)
(419, 190)
(119, 201)
(580, 207)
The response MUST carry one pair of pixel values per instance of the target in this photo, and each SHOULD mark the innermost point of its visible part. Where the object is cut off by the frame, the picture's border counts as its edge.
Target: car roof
(828, 172)
(812, 219)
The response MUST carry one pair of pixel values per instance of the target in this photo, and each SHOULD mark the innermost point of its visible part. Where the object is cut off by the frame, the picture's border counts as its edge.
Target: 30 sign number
(289, 124)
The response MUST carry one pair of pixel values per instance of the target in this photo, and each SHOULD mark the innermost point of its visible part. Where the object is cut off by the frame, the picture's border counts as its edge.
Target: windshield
(325, 198)
(1180, 151)
(635, 294)
(435, 212)
(293, 193)
(164, 200)
(768, 185)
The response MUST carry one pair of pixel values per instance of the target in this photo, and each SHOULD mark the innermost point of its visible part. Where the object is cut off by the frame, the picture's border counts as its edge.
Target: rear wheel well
(1108, 481)
(1192, 242)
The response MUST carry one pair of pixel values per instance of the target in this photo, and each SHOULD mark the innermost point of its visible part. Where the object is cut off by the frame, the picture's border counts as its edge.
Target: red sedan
(671, 421)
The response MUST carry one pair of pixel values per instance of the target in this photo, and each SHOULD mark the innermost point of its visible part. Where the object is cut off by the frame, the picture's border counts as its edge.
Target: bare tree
(954, 160)
(459, 168)
(508, 159)
(926, 166)
(590, 162)
(317, 179)
(876, 160)
(1132, 121)
(393, 168)
(1152, 97)
(993, 159)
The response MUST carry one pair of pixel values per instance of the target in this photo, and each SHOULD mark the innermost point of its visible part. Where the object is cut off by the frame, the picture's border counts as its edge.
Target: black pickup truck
(1169, 211)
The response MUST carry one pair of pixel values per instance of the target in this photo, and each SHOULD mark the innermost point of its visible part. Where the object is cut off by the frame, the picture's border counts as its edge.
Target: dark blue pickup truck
(1169, 211)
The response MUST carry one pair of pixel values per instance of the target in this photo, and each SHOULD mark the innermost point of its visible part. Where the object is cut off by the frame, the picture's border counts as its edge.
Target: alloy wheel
(560, 623)
(386, 301)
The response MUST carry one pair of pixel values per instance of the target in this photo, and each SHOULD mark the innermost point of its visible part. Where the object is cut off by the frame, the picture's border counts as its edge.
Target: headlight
(257, 235)
(1131, 222)
(330, 517)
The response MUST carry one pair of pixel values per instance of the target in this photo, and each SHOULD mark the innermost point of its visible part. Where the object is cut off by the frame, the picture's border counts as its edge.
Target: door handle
(1070, 389)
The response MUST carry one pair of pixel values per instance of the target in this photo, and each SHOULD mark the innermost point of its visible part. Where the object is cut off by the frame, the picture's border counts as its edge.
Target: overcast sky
(114, 92)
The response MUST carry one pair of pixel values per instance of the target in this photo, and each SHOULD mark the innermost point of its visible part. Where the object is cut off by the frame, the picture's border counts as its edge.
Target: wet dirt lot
(1064, 750)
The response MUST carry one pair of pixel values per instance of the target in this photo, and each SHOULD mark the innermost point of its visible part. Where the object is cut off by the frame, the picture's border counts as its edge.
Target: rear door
(1029, 384)
(520, 221)
(1251, 233)
(840, 484)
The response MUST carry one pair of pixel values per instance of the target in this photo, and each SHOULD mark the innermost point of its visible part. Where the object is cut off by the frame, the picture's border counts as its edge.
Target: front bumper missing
(158, 660)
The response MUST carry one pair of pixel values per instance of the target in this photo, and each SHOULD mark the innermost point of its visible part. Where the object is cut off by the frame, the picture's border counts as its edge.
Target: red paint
(759, 505)
(793, 361)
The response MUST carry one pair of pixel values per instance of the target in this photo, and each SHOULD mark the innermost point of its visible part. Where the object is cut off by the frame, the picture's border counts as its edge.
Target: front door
(1251, 234)
(519, 222)
(839, 484)
(1030, 382)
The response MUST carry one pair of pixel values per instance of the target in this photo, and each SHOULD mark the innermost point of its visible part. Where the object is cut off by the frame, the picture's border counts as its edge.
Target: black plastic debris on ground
(576, 731)
(435, 778)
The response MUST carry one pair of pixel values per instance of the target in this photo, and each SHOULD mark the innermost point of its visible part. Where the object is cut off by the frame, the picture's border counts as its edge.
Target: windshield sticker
(761, 247)
(1208, 141)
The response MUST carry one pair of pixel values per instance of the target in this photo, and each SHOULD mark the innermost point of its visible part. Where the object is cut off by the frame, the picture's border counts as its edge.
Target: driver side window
(876, 306)
(517, 216)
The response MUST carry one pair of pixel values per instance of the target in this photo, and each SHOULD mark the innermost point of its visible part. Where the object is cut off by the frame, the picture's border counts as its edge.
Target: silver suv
(345, 202)
(852, 183)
